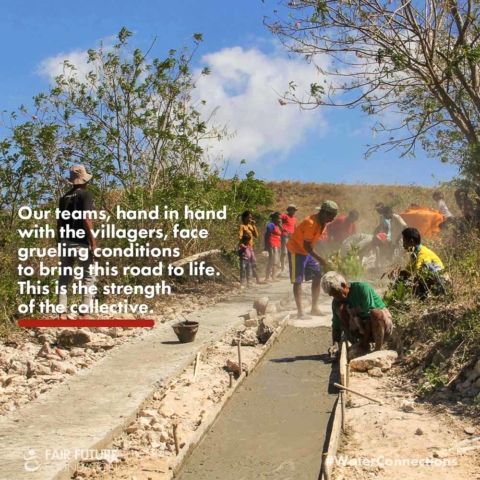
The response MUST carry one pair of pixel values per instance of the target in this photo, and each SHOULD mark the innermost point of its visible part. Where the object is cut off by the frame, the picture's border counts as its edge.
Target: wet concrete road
(274, 426)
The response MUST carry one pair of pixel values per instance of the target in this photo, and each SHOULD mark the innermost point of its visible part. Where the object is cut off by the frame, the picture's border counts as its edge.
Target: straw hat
(78, 175)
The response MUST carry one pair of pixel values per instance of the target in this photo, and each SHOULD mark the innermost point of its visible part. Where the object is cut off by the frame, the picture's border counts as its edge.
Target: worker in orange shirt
(303, 262)
(289, 222)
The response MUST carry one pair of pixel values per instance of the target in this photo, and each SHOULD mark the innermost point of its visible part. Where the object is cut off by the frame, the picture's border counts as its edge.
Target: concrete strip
(203, 430)
(92, 408)
(274, 426)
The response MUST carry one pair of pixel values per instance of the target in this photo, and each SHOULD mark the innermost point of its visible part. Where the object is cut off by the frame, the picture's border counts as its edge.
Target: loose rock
(13, 380)
(375, 372)
(382, 359)
(35, 368)
(233, 367)
(46, 336)
(133, 428)
(18, 367)
(157, 427)
(164, 437)
(266, 328)
(248, 339)
(253, 322)
(148, 413)
(75, 338)
(166, 411)
(408, 406)
(260, 304)
(77, 352)
(252, 314)
(271, 309)
(44, 351)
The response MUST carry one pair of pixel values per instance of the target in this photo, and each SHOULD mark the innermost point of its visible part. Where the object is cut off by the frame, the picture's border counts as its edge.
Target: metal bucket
(186, 331)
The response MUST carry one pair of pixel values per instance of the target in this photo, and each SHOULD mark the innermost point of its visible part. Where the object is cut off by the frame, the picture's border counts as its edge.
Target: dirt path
(274, 426)
(402, 439)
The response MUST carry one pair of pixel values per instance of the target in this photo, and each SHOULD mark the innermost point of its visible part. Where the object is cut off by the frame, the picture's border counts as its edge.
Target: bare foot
(63, 316)
(317, 312)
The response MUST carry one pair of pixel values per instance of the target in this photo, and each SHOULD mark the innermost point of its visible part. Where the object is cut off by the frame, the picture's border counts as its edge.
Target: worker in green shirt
(358, 311)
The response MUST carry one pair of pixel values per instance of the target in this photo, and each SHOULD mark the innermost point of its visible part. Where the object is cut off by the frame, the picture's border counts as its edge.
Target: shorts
(357, 323)
(285, 239)
(303, 268)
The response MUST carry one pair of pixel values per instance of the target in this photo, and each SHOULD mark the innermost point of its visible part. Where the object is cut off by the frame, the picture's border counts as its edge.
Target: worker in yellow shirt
(248, 227)
(425, 270)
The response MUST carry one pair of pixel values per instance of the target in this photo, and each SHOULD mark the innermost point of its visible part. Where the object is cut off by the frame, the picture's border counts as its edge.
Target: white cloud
(53, 66)
(245, 85)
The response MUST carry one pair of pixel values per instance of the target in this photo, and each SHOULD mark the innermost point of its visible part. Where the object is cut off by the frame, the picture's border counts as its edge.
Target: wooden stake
(341, 387)
(342, 399)
(347, 375)
(177, 449)
(195, 369)
(240, 369)
(231, 379)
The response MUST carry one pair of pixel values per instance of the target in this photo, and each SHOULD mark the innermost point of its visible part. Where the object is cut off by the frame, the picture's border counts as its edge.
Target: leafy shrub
(349, 266)
(433, 378)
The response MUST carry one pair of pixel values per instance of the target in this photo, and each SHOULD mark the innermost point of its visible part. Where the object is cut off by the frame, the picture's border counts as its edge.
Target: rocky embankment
(35, 361)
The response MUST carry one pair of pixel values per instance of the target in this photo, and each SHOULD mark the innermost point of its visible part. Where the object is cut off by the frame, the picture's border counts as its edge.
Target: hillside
(306, 196)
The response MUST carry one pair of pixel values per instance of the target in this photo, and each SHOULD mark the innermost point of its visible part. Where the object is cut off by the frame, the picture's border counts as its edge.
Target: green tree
(414, 58)
(132, 121)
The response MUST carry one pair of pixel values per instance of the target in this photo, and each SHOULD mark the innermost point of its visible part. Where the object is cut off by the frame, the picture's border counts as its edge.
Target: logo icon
(31, 461)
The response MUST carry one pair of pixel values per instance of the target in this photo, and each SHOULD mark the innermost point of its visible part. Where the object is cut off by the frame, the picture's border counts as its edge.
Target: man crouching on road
(303, 262)
(358, 311)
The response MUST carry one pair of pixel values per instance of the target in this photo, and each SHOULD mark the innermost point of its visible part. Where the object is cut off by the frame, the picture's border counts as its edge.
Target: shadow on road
(324, 357)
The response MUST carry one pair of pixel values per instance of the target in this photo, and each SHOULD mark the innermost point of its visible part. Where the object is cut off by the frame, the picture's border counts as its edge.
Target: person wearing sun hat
(80, 238)
(304, 263)
(289, 222)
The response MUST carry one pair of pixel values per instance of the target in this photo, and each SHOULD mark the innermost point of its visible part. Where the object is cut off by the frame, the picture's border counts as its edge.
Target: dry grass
(306, 196)
(224, 234)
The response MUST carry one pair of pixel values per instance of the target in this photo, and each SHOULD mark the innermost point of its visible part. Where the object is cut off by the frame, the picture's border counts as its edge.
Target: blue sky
(248, 70)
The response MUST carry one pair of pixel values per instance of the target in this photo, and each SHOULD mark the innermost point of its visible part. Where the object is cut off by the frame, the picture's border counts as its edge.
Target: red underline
(55, 323)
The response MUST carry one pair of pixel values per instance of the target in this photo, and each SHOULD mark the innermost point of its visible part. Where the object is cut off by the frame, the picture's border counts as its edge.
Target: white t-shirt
(443, 209)
(361, 240)
(397, 225)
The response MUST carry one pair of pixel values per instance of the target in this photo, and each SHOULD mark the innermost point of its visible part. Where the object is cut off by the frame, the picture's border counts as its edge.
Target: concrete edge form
(200, 434)
(337, 421)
